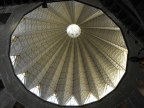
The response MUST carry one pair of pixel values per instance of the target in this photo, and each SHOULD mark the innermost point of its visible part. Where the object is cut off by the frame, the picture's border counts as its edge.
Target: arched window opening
(91, 98)
(53, 99)
(107, 90)
(72, 102)
(22, 77)
(13, 59)
(36, 90)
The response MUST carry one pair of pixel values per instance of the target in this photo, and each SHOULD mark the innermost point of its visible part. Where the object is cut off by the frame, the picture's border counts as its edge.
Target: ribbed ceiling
(91, 64)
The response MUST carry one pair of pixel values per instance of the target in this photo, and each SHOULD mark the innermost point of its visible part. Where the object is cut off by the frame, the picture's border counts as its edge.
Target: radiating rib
(50, 21)
(117, 65)
(47, 59)
(47, 82)
(45, 14)
(95, 78)
(96, 14)
(92, 42)
(44, 40)
(81, 87)
(40, 75)
(96, 60)
(33, 52)
(111, 36)
(43, 43)
(49, 88)
(70, 7)
(110, 43)
(18, 33)
(36, 25)
(78, 9)
(59, 15)
(86, 13)
(66, 13)
(76, 82)
(24, 69)
(118, 55)
(100, 60)
(69, 78)
(64, 85)
(47, 32)
(25, 28)
(62, 10)
(104, 28)
(100, 21)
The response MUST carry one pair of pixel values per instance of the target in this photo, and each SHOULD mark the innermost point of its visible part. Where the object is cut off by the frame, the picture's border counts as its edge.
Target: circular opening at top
(73, 30)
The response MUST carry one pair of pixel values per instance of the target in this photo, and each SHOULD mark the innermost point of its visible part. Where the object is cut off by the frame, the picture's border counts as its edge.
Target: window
(107, 90)
(35, 90)
(14, 38)
(90, 98)
(53, 99)
(119, 76)
(21, 77)
(72, 102)
(13, 59)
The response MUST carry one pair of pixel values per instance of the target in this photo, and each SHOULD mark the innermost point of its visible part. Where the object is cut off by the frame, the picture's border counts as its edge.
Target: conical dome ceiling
(66, 70)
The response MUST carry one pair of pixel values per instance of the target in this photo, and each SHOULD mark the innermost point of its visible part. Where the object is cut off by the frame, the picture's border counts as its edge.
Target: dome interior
(68, 69)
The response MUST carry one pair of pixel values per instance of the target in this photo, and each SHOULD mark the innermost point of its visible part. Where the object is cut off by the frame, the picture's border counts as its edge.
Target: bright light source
(108, 89)
(21, 77)
(73, 30)
(35, 90)
(72, 102)
(91, 98)
(53, 99)
(13, 58)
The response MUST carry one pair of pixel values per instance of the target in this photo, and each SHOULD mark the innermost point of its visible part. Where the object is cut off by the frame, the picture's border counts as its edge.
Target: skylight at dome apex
(64, 66)
(73, 30)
